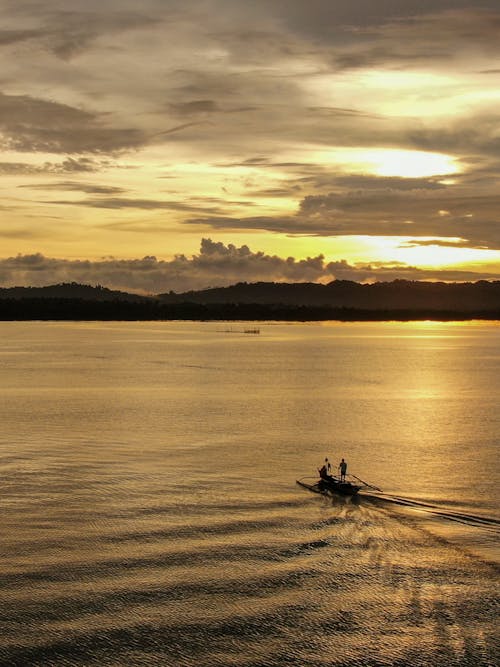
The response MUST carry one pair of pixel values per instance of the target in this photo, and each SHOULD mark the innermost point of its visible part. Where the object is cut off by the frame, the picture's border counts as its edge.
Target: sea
(151, 516)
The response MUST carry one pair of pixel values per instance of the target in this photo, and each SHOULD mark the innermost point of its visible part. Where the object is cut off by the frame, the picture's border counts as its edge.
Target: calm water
(150, 514)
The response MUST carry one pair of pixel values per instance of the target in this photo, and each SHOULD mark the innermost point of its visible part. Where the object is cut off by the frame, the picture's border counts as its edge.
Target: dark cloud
(361, 182)
(23, 110)
(383, 212)
(72, 32)
(406, 31)
(176, 128)
(474, 135)
(68, 166)
(318, 17)
(263, 161)
(339, 111)
(8, 37)
(71, 165)
(87, 188)
(215, 265)
(436, 242)
(274, 192)
(204, 107)
(261, 97)
(34, 125)
(123, 203)
(423, 40)
(194, 107)
(20, 232)
(67, 32)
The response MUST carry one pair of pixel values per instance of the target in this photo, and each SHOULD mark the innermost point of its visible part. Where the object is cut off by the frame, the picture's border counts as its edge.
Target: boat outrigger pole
(370, 486)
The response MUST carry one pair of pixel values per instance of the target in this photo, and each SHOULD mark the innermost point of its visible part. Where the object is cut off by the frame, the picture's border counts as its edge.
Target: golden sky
(173, 144)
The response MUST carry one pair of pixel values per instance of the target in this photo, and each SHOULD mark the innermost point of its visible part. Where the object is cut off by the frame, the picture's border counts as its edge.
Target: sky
(182, 144)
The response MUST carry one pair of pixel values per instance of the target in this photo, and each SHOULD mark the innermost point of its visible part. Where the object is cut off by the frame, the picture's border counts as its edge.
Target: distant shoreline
(61, 309)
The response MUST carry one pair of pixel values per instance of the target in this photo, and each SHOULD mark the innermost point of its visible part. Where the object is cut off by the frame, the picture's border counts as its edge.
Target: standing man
(343, 470)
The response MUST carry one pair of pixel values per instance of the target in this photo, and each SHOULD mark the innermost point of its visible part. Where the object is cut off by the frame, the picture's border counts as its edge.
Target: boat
(245, 331)
(332, 485)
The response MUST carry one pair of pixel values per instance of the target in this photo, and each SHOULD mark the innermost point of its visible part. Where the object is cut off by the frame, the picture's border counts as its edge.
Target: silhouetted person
(343, 470)
(325, 472)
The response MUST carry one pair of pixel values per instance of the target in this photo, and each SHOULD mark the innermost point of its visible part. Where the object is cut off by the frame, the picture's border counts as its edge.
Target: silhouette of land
(338, 300)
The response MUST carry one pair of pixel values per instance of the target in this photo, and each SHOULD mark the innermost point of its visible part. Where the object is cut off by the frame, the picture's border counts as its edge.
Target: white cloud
(215, 265)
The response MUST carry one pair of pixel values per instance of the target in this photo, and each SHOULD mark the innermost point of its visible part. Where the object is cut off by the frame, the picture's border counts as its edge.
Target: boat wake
(429, 508)
(279, 580)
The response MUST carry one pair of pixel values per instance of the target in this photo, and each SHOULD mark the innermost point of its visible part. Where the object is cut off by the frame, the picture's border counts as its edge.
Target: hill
(398, 294)
(69, 291)
(338, 300)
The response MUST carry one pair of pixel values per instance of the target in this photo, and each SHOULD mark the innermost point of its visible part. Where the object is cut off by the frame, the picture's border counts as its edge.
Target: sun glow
(430, 255)
(441, 256)
(388, 162)
(410, 164)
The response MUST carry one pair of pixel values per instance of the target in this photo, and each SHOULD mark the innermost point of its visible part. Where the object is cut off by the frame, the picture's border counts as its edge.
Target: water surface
(150, 511)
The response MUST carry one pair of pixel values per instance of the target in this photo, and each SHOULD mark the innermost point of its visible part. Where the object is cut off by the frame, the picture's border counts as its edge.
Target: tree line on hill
(338, 300)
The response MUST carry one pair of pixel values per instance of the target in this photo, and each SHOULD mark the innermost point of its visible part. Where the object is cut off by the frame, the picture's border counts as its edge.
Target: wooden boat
(335, 485)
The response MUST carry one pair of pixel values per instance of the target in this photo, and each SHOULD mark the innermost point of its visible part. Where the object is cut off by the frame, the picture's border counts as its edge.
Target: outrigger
(330, 484)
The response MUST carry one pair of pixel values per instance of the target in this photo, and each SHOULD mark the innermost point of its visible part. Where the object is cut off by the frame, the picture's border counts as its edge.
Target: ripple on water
(310, 584)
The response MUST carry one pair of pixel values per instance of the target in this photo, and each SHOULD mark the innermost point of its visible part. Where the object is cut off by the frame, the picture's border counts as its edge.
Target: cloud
(384, 206)
(215, 265)
(317, 16)
(203, 108)
(426, 38)
(66, 31)
(258, 100)
(240, 69)
(475, 135)
(194, 107)
(77, 187)
(456, 243)
(404, 34)
(30, 124)
(123, 203)
(8, 37)
(68, 166)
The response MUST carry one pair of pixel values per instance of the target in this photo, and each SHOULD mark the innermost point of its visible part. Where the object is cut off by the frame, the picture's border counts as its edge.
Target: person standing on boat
(343, 470)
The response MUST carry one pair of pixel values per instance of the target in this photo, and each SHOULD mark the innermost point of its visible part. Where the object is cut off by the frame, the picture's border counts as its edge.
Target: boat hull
(339, 488)
(326, 487)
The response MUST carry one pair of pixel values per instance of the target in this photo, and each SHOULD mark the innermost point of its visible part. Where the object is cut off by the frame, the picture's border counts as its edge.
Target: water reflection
(150, 511)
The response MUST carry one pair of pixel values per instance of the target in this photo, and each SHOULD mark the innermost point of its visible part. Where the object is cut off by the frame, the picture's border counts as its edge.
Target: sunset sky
(179, 144)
